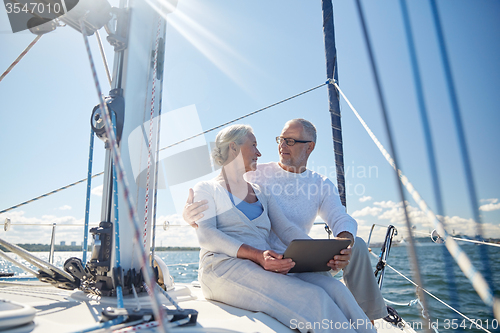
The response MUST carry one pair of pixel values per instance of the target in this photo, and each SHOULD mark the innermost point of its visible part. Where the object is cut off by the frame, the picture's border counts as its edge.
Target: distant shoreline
(76, 248)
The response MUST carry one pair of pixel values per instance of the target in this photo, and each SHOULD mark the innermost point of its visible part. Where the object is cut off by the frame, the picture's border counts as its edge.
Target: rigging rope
(103, 56)
(157, 161)
(453, 290)
(151, 125)
(463, 261)
(388, 130)
(174, 144)
(245, 116)
(119, 292)
(49, 193)
(87, 202)
(146, 270)
(471, 187)
(20, 57)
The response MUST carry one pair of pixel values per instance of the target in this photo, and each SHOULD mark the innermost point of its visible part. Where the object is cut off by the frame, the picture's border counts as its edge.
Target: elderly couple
(247, 215)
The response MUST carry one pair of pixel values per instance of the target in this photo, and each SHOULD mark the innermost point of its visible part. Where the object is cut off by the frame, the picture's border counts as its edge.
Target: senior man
(304, 194)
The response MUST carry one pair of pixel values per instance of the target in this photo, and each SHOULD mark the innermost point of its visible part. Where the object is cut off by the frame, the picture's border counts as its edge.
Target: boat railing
(7, 225)
(327, 228)
(473, 322)
(436, 239)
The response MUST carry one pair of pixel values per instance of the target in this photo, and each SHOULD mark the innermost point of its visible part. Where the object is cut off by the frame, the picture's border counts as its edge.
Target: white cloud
(20, 233)
(492, 204)
(97, 191)
(365, 198)
(179, 233)
(378, 234)
(396, 215)
(65, 207)
(373, 211)
(385, 204)
(458, 225)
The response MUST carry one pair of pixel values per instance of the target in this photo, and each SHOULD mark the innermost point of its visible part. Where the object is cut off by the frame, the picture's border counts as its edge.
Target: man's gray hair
(308, 127)
(234, 133)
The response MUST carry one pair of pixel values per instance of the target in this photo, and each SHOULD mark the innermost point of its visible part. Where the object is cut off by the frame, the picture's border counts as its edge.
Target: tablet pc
(312, 255)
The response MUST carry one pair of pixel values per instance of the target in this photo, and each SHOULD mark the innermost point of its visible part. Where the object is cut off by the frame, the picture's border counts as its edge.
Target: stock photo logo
(182, 165)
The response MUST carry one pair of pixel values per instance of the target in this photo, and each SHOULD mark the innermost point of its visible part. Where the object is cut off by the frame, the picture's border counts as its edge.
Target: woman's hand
(274, 262)
(268, 259)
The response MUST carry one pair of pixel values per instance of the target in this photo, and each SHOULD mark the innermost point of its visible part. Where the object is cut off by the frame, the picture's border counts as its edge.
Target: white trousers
(309, 302)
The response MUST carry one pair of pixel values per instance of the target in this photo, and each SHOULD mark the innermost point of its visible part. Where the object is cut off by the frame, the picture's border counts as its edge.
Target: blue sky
(228, 58)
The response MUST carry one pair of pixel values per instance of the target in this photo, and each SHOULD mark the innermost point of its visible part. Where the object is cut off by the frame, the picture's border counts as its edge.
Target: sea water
(183, 267)
(438, 279)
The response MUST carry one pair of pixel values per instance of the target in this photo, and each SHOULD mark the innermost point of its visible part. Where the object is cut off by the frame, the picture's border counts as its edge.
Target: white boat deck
(59, 311)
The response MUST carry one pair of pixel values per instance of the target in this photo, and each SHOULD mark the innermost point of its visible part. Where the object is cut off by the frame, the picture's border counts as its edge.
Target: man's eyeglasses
(289, 142)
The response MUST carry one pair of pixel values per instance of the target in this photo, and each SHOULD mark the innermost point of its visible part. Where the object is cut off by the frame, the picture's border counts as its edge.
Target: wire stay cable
(461, 258)
(461, 239)
(245, 116)
(471, 187)
(49, 193)
(174, 144)
(103, 56)
(37, 38)
(453, 290)
(388, 131)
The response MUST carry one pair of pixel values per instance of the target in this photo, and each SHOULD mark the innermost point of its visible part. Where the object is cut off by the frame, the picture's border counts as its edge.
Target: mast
(135, 100)
(333, 96)
(141, 82)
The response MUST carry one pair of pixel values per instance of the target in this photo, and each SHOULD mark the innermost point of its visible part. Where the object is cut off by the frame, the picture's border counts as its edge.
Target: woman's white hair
(234, 133)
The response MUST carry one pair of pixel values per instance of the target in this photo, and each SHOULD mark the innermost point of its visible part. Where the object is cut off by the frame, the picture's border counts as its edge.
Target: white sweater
(302, 197)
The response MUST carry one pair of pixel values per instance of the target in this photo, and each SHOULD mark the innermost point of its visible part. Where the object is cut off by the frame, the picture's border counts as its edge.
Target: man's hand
(342, 260)
(192, 211)
(274, 262)
(345, 234)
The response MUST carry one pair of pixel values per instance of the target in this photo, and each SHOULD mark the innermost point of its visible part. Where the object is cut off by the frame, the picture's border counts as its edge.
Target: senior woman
(238, 267)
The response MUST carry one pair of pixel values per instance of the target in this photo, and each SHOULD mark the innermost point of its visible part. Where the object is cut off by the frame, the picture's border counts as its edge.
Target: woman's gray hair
(234, 133)
(308, 127)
